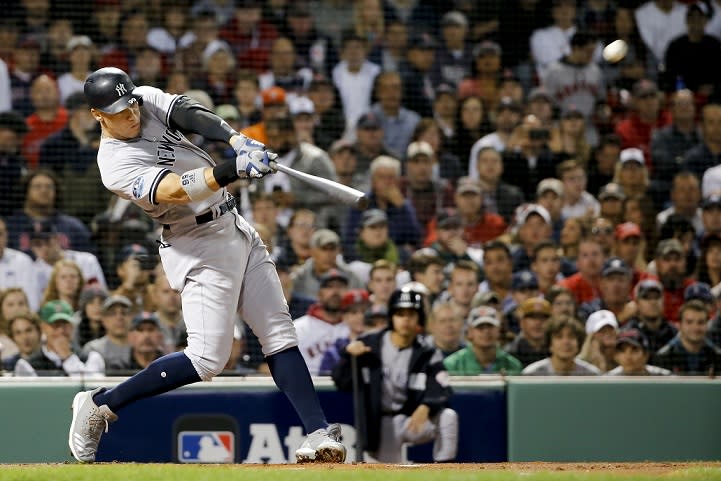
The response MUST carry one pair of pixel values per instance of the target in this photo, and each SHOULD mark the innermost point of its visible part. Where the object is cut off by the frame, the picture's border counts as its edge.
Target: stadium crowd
(560, 214)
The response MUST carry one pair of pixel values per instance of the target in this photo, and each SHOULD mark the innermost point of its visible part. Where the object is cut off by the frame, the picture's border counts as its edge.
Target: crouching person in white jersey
(210, 254)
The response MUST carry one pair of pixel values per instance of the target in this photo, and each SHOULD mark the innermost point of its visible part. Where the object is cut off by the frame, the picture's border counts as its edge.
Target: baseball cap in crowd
(468, 184)
(340, 144)
(115, 301)
(42, 230)
(57, 310)
(354, 297)
(301, 105)
(632, 154)
(483, 315)
(369, 121)
(454, 18)
(582, 38)
(487, 47)
(534, 209)
(699, 7)
(422, 41)
(524, 280)
(419, 147)
(78, 41)
(131, 250)
(324, 238)
(699, 291)
(227, 112)
(319, 80)
(711, 201)
(645, 88)
(669, 246)
(29, 42)
(144, 318)
(535, 305)
(615, 265)
(626, 230)
(213, 47)
(376, 315)
(539, 93)
(14, 122)
(373, 217)
(550, 185)
(600, 319)
(332, 275)
(648, 285)
(92, 292)
(447, 89)
(611, 190)
(633, 337)
(448, 219)
(76, 101)
(708, 239)
(486, 298)
(572, 112)
(716, 291)
(273, 96)
(507, 103)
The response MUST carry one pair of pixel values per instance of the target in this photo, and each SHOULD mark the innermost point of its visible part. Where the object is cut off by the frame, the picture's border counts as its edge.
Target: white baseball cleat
(322, 446)
(88, 424)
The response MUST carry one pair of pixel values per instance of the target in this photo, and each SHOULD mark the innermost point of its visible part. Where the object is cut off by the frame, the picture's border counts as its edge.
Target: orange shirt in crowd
(256, 132)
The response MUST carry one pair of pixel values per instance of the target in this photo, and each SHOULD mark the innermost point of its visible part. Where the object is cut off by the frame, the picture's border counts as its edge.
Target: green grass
(168, 472)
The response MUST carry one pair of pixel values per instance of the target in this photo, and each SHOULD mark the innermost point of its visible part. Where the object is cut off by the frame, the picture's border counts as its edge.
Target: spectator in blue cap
(615, 289)
(524, 285)
(632, 355)
(711, 214)
(700, 291)
(145, 340)
(649, 317)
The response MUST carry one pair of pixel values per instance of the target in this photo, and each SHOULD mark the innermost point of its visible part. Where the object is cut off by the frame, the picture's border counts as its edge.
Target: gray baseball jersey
(219, 265)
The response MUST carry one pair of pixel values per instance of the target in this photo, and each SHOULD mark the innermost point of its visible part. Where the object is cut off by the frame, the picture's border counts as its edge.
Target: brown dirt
(621, 468)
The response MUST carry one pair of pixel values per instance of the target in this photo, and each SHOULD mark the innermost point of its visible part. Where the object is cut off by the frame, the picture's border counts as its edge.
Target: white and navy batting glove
(251, 158)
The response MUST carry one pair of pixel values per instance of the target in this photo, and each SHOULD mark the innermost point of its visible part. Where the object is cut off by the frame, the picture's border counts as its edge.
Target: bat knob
(362, 203)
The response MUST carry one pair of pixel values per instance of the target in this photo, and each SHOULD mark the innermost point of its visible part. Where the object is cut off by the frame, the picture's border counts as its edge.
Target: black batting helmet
(406, 298)
(110, 90)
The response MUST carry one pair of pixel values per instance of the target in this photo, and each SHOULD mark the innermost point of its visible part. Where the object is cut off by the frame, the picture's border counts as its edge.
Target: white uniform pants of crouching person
(442, 429)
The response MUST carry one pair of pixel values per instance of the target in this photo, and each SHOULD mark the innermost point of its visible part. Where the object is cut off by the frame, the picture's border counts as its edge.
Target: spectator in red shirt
(250, 36)
(479, 226)
(647, 115)
(49, 117)
(628, 246)
(671, 268)
(133, 35)
(585, 284)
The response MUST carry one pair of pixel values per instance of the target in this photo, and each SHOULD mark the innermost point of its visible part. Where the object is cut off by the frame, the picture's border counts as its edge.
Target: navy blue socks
(291, 375)
(162, 375)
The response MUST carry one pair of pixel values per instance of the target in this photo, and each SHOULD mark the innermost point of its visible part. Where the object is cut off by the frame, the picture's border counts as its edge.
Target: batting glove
(252, 159)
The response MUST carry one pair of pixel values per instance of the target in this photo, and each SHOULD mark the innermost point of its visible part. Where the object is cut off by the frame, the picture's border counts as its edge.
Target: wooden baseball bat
(343, 193)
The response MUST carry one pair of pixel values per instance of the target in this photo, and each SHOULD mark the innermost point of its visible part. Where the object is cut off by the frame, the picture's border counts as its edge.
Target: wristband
(225, 173)
(194, 184)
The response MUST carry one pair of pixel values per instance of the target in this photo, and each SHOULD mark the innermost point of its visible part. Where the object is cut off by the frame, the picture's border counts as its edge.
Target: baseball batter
(211, 255)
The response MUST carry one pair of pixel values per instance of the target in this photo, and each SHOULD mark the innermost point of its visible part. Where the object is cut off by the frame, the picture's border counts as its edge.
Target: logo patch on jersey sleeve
(138, 186)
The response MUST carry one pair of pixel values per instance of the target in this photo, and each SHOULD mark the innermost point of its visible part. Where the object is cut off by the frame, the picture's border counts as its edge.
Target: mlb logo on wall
(206, 447)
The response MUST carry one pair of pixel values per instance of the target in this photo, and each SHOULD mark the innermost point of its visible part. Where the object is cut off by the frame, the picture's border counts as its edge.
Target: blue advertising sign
(201, 426)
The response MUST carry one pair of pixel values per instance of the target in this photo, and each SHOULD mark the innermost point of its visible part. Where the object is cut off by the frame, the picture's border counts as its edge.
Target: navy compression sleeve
(188, 115)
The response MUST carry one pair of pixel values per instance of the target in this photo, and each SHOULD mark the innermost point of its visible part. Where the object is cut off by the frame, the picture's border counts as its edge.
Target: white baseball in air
(615, 51)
